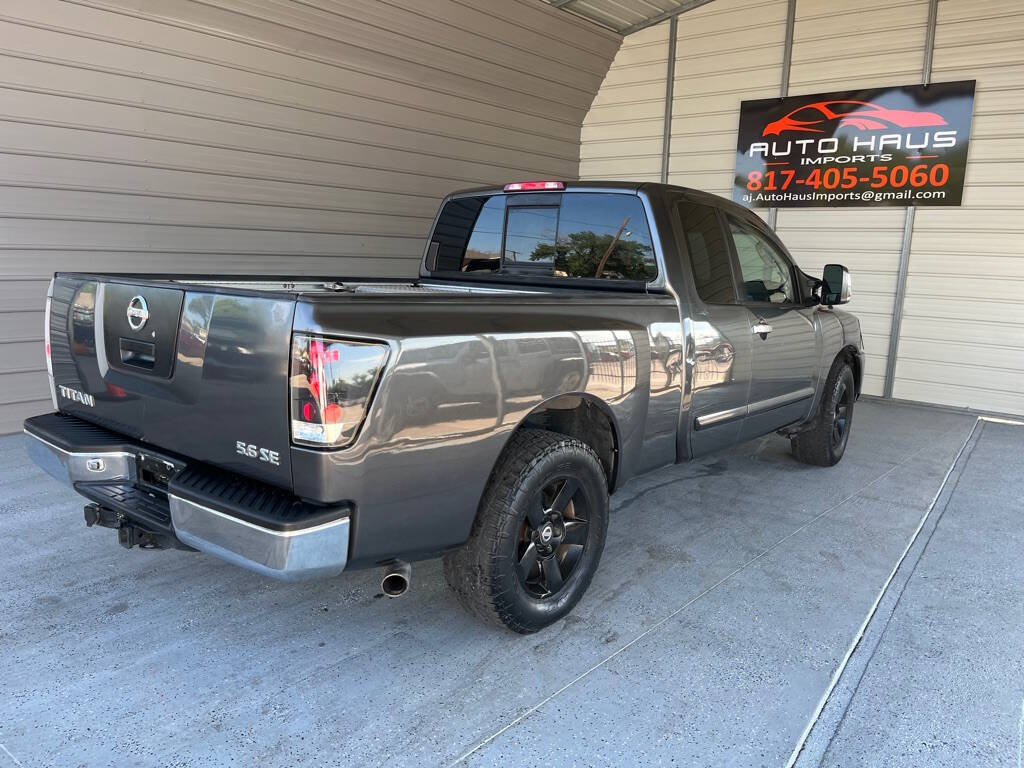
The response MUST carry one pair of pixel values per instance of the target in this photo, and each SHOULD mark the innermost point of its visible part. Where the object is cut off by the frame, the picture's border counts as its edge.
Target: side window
(766, 273)
(468, 234)
(605, 236)
(709, 253)
(483, 252)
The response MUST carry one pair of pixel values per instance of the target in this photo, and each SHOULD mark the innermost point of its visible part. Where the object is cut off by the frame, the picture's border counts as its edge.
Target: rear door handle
(762, 328)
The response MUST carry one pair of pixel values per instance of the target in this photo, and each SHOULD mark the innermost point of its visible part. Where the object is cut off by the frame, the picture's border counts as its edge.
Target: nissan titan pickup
(560, 339)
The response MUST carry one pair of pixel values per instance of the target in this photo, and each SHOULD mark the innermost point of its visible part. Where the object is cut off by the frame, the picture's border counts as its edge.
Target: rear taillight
(331, 384)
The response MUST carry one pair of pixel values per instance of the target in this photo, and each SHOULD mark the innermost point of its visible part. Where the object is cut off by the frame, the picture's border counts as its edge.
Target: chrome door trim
(780, 400)
(720, 417)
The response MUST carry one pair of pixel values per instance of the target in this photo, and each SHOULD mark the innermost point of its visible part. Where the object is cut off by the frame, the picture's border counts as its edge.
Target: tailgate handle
(140, 354)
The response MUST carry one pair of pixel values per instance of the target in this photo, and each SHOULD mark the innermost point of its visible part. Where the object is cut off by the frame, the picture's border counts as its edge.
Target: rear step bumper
(307, 553)
(234, 518)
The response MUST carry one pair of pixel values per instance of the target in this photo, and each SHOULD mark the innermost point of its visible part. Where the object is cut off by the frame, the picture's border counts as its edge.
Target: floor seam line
(862, 630)
(884, 627)
(691, 601)
(7, 752)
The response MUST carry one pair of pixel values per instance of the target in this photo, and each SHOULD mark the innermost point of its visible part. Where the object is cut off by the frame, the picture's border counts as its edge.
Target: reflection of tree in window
(601, 235)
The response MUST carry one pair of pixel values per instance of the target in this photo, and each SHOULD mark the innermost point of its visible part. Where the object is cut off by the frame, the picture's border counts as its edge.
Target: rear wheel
(538, 536)
(823, 443)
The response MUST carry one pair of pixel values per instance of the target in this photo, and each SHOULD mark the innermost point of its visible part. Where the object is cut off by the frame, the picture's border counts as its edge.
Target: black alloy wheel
(538, 534)
(841, 414)
(553, 537)
(822, 441)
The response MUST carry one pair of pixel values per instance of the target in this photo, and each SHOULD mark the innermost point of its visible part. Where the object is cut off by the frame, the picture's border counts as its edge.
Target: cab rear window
(592, 235)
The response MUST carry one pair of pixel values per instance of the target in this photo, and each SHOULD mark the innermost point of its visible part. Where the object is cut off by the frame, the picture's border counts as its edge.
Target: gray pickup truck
(561, 339)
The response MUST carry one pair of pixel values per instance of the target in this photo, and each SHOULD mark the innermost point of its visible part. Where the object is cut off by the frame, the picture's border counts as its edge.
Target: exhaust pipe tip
(395, 581)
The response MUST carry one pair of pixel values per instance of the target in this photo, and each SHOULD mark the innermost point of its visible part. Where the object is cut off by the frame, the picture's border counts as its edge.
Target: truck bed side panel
(463, 375)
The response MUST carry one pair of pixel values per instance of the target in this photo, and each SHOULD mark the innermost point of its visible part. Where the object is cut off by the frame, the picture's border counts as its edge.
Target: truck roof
(628, 187)
(613, 186)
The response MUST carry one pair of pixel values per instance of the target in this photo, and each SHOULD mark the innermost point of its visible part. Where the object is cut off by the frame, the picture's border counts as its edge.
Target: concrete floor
(728, 596)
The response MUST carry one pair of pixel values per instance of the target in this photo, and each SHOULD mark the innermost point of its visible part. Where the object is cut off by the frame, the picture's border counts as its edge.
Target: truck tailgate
(193, 370)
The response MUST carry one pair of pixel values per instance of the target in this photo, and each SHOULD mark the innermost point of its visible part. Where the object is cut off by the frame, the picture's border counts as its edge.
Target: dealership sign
(905, 145)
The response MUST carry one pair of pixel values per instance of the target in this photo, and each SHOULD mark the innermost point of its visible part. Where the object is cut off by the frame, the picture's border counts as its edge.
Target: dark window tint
(530, 240)
(483, 253)
(604, 236)
(590, 235)
(468, 235)
(766, 273)
(709, 253)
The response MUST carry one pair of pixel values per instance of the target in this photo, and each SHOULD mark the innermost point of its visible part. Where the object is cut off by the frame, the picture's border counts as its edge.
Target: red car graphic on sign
(812, 118)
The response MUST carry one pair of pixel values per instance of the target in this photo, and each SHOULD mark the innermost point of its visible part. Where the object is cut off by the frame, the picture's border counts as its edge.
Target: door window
(709, 254)
(765, 273)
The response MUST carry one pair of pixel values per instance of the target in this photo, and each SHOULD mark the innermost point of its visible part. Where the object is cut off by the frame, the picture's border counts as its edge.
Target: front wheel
(538, 535)
(823, 443)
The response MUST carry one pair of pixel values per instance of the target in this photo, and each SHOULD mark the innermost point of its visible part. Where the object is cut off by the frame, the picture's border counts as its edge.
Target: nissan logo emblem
(138, 313)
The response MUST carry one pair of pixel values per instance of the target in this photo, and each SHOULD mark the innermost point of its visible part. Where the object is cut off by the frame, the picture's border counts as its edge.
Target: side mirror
(836, 285)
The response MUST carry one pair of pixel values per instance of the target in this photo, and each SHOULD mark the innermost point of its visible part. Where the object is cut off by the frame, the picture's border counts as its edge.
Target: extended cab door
(783, 331)
(722, 352)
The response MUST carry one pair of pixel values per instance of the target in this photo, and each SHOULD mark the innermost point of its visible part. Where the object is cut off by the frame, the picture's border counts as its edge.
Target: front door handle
(761, 328)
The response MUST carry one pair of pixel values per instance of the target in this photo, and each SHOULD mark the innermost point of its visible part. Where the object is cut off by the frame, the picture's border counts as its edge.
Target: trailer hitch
(128, 534)
(103, 517)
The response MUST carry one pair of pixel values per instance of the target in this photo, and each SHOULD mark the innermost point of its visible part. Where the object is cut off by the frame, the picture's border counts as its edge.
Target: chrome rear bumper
(295, 554)
(71, 468)
(307, 553)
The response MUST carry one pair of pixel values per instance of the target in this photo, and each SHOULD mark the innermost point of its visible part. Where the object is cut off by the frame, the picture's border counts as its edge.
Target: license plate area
(153, 472)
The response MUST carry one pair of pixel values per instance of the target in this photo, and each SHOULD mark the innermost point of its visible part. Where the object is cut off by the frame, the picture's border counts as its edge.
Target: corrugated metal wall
(959, 342)
(260, 136)
(726, 51)
(840, 44)
(621, 137)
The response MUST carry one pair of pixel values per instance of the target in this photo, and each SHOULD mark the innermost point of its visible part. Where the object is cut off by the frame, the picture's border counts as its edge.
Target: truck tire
(538, 535)
(824, 441)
